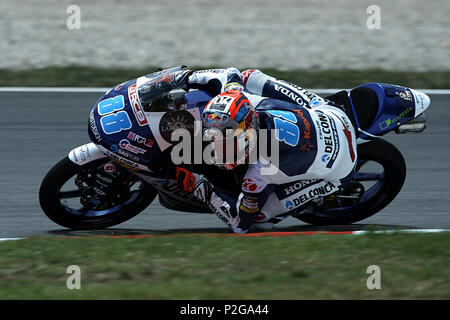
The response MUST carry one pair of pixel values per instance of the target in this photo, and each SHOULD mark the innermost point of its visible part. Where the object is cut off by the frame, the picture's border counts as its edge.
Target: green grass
(79, 76)
(413, 266)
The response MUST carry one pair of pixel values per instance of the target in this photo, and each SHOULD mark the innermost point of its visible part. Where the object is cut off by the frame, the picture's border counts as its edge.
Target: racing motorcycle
(128, 140)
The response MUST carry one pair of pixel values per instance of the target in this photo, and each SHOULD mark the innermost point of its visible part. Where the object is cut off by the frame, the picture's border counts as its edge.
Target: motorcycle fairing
(145, 138)
(135, 141)
(396, 106)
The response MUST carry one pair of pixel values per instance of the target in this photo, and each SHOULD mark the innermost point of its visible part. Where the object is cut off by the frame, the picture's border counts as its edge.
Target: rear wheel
(379, 176)
(66, 197)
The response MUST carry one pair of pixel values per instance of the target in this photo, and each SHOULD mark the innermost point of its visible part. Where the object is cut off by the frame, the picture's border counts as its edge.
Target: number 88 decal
(113, 122)
(286, 129)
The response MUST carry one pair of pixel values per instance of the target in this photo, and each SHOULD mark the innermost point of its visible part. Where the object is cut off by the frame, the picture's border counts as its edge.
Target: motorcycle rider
(317, 144)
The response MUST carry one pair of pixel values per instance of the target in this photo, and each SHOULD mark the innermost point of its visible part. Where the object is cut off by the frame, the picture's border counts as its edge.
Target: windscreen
(154, 87)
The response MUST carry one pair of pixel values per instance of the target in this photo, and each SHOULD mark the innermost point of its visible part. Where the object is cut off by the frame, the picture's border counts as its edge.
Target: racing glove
(195, 183)
(221, 205)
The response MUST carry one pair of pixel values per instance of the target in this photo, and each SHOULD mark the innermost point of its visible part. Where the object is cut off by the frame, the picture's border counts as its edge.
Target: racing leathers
(316, 150)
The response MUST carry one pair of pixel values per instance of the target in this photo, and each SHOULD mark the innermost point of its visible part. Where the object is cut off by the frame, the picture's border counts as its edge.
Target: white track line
(75, 90)
(402, 231)
(427, 91)
(352, 232)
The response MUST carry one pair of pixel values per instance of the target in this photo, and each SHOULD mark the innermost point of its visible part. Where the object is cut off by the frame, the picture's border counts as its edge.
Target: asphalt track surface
(39, 129)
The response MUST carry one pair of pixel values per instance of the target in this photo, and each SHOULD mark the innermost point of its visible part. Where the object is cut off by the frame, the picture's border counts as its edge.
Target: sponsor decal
(329, 136)
(290, 94)
(289, 205)
(325, 157)
(218, 107)
(309, 194)
(125, 144)
(249, 185)
(388, 122)
(298, 185)
(209, 71)
(212, 117)
(113, 120)
(141, 140)
(405, 95)
(94, 128)
(307, 131)
(86, 153)
(348, 135)
(219, 103)
(83, 154)
(302, 91)
(116, 149)
(109, 167)
(173, 120)
(74, 156)
(122, 161)
(223, 210)
(307, 146)
(127, 155)
(286, 129)
(421, 101)
(317, 101)
(110, 105)
(136, 105)
(249, 204)
(104, 179)
(223, 213)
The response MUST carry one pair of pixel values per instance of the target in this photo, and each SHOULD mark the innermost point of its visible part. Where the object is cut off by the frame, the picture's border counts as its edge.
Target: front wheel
(379, 176)
(65, 197)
